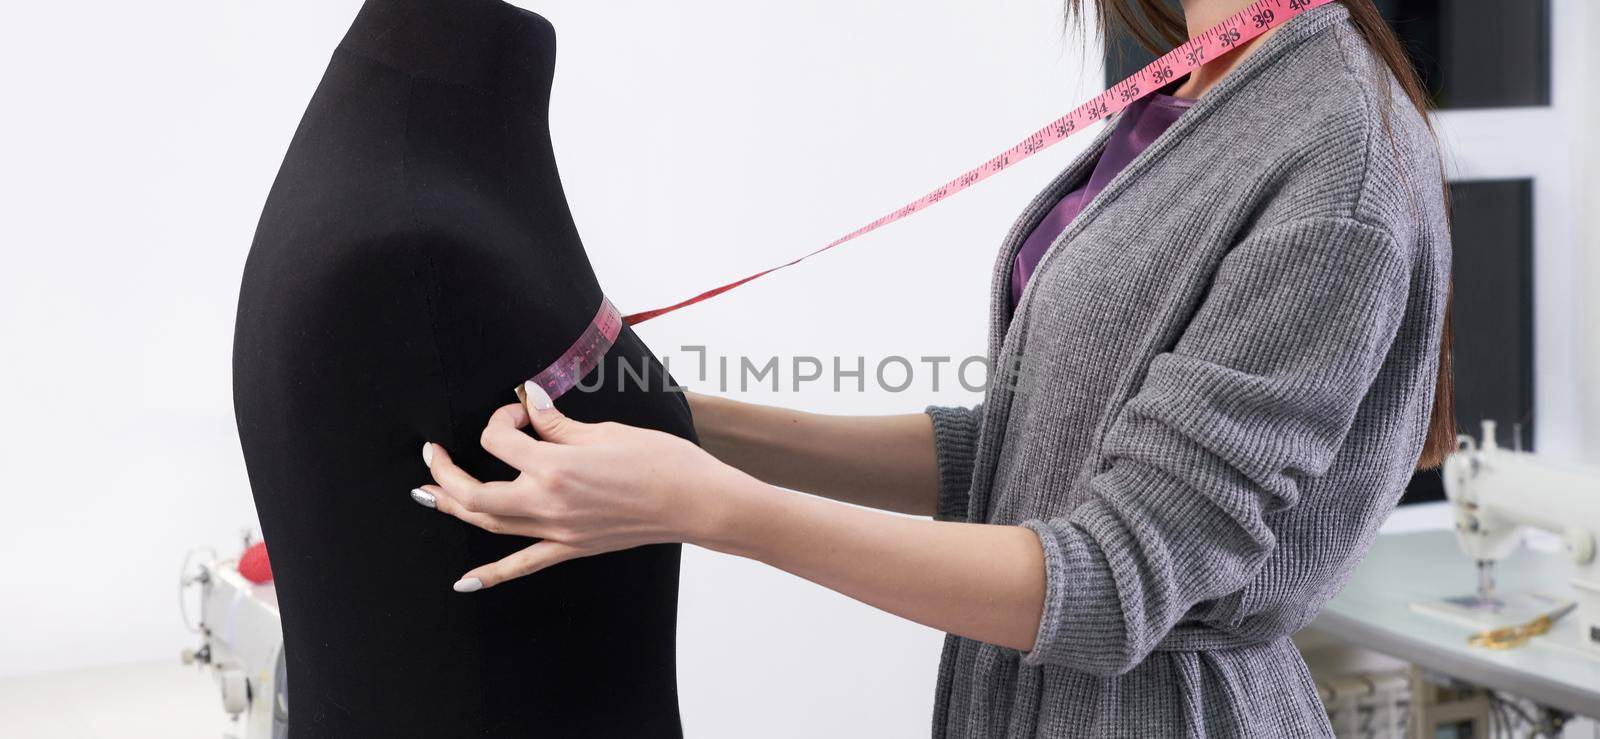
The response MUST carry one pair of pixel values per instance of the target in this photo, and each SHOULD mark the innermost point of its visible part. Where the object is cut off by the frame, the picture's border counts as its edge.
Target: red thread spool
(254, 565)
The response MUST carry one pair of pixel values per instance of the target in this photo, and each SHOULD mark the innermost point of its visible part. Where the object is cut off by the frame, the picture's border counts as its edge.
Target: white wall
(698, 140)
(1589, 232)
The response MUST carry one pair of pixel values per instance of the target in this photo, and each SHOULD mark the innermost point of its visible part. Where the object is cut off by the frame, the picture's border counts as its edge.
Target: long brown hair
(1159, 27)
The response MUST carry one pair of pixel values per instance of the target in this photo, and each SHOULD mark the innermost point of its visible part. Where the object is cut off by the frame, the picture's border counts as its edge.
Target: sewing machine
(242, 643)
(1496, 492)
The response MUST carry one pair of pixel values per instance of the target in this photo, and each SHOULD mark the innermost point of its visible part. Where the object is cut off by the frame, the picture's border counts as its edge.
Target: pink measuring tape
(584, 354)
(1256, 19)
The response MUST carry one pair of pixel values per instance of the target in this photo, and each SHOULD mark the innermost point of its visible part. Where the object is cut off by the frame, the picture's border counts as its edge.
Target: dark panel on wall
(1492, 235)
(1471, 53)
(1477, 53)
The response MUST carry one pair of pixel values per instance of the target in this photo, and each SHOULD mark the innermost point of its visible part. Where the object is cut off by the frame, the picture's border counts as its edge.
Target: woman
(1233, 308)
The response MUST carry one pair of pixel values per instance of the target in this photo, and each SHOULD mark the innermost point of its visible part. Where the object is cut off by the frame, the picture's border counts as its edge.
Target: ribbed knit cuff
(1082, 613)
(1087, 623)
(955, 442)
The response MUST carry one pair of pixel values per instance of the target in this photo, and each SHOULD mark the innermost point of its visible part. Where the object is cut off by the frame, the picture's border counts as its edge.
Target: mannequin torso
(415, 261)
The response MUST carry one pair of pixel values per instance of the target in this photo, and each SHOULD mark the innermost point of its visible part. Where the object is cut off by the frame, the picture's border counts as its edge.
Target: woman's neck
(1200, 15)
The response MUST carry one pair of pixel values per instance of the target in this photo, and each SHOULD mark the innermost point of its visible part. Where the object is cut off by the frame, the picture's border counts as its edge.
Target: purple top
(1139, 125)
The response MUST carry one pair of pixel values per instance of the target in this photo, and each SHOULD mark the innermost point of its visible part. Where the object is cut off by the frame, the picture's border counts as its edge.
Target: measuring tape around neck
(1255, 19)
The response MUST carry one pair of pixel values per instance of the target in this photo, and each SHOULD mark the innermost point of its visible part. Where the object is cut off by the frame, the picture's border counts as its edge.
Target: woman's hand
(584, 488)
(593, 488)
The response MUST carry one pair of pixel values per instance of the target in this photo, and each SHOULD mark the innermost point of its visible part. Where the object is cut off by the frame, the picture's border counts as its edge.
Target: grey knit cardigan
(1227, 370)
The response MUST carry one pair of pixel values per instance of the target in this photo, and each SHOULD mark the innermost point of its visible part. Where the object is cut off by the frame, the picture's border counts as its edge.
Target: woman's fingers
(540, 502)
(444, 470)
(463, 488)
(525, 562)
(551, 424)
(504, 438)
(511, 414)
(432, 496)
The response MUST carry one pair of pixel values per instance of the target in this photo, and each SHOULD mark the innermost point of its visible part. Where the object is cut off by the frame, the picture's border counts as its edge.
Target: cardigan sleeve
(955, 442)
(1257, 394)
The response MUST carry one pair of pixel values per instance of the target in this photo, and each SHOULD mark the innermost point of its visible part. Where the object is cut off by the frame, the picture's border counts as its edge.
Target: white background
(698, 141)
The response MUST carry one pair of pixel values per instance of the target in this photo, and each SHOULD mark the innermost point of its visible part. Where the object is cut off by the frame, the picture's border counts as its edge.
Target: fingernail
(468, 585)
(538, 399)
(427, 454)
(424, 498)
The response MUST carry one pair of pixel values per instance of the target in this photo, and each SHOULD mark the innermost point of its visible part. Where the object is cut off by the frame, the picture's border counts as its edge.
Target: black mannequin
(415, 262)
